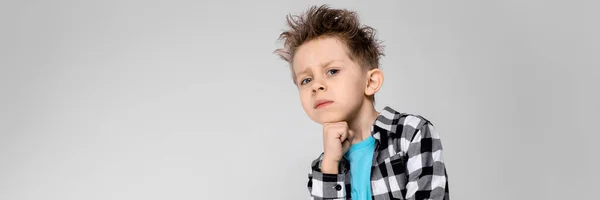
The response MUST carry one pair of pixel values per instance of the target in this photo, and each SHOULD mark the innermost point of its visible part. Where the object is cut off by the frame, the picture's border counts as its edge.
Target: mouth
(322, 103)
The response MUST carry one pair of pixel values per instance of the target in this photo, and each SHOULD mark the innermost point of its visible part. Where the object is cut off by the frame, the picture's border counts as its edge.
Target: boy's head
(333, 58)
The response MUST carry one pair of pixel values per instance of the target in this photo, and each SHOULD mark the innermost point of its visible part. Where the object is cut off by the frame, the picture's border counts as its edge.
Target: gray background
(185, 100)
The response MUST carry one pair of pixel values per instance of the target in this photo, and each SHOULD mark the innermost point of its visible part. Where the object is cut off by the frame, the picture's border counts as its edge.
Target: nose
(318, 85)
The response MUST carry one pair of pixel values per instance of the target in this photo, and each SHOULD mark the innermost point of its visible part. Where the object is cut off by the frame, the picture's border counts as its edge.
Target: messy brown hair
(323, 21)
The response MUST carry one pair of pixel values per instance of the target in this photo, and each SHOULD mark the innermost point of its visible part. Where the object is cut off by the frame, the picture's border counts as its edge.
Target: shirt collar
(385, 122)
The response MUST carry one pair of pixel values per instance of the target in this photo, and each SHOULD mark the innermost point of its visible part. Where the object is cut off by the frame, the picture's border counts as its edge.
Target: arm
(327, 185)
(427, 177)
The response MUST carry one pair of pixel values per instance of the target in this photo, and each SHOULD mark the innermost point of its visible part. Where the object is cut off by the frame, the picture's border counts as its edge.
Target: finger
(350, 135)
(325, 128)
(338, 123)
(346, 145)
(343, 135)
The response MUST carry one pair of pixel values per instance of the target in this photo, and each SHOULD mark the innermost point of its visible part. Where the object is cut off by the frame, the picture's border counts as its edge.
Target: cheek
(304, 99)
(353, 94)
(353, 89)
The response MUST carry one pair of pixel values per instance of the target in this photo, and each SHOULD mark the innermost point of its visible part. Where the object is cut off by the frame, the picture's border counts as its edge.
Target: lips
(321, 103)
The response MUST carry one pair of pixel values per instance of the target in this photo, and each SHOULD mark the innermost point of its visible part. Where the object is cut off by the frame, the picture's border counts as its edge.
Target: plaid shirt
(407, 163)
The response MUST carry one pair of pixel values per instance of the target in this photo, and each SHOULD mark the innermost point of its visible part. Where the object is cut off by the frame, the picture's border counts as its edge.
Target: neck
(362, 121)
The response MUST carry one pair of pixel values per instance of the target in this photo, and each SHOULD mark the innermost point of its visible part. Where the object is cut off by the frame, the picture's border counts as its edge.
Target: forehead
(318, 52)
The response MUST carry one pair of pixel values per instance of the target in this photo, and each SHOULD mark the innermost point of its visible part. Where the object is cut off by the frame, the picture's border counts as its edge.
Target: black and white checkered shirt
(407, 163)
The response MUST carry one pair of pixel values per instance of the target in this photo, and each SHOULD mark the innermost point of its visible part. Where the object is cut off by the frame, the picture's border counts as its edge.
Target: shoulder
(404, 124)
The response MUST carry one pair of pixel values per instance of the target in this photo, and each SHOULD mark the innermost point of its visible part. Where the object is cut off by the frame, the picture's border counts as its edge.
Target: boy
(367, 154)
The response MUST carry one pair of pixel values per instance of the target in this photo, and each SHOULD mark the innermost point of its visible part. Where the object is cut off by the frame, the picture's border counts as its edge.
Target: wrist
(329, 166)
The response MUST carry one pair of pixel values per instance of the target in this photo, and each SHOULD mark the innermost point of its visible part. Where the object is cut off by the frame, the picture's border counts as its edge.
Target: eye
(305, 81)
(332, 71)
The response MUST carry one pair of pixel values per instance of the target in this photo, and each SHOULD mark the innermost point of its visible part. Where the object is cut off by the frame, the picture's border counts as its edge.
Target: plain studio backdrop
(185, 100)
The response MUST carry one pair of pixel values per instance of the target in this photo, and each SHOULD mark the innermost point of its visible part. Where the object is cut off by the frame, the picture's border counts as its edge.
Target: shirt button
(338, 187)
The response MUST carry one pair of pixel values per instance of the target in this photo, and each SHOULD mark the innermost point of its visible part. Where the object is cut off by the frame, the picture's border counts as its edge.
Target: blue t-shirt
(360, 156)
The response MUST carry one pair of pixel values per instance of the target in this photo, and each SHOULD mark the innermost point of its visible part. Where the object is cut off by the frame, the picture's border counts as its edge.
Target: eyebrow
(322, 65)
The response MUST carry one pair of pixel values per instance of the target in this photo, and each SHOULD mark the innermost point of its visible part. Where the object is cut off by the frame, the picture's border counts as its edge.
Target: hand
(337, 139)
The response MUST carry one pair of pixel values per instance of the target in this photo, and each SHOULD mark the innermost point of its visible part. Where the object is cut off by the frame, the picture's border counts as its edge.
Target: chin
(328, 117)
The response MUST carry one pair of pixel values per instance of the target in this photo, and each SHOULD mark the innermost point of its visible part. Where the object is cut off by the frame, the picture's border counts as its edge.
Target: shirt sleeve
(328, 186)
(427, 177)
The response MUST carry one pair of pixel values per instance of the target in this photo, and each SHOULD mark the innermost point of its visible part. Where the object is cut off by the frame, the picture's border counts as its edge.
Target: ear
(374, 81)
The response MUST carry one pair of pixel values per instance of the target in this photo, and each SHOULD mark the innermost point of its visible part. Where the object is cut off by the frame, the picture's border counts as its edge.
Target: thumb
(346, 145)
(350, 135)
(348, 142)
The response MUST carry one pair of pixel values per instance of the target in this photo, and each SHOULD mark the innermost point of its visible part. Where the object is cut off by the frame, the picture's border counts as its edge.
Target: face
(330, 84)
